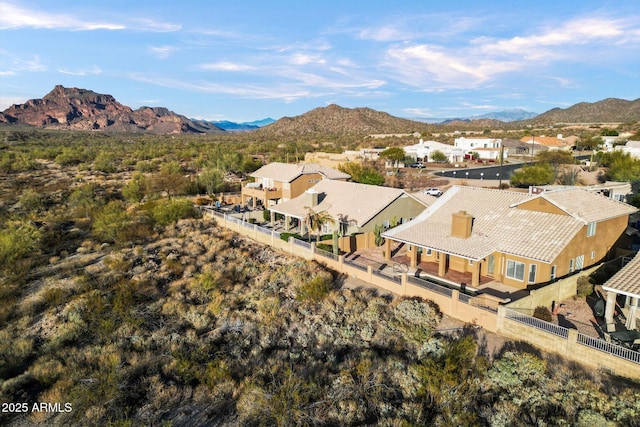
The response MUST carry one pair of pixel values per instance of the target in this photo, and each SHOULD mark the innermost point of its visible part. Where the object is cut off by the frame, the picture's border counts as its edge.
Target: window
(428, 252)
(593, 254)
(491, 264)
(591, 229)
(470, 262)
(571, 266)
(532, 273)
(553, 272)
(515, 270)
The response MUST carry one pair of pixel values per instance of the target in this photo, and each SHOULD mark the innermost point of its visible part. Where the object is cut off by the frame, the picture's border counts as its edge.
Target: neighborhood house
(354, 207)
(517, 239)
(277, 182)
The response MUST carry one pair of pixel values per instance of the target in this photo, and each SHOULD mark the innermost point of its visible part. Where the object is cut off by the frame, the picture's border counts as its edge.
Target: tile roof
(627, 280)
(349, 200)
(587, 206)
(498, 224)
(547, 141)
(287, 172)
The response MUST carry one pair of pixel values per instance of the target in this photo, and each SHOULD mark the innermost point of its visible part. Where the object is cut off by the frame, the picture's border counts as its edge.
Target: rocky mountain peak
(83, 109)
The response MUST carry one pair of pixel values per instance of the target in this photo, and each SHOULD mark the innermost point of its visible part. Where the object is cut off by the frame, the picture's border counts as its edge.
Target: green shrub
(105, 162)
(167, 211)
(543, 313)
(285, 236)
(584, 287)
(16, 242)
(315, 289)
(111, 222)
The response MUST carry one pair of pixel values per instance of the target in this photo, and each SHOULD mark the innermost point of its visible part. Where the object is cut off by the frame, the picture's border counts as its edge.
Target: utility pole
(501, 161)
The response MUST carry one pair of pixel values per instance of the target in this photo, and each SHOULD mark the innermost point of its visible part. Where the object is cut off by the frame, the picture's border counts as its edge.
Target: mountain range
(82, 109)
(243, 126)
(505, 116)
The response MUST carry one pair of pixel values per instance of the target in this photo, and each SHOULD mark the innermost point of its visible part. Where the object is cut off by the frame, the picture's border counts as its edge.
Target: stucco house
(551, 142)
(355, 208)
(631, 147)
(514, 238)
(423, 151)
(277, 182)
(487, 148)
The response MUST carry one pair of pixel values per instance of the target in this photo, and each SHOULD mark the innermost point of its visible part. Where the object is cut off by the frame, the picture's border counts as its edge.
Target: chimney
(461, 223)
(312, 197)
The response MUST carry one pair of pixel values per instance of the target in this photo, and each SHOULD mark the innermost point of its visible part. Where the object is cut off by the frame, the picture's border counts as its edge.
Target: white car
(433, 192)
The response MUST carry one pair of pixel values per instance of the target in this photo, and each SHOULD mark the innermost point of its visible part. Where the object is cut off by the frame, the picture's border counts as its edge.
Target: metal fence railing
(607, 347)
(537, 323)
(327, 254)
(387, 275)
(356, 265)
(301, 243)
(432, 286)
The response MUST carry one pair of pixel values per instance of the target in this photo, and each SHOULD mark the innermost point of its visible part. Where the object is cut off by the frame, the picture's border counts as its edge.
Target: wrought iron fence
(386, 275)
(537, 323)
(607, 347)
(301, 243)
(327, 254)
(442, 290)
(356, 265)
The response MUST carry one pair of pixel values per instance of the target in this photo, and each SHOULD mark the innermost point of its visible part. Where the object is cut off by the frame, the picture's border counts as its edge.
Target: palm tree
(314, 221)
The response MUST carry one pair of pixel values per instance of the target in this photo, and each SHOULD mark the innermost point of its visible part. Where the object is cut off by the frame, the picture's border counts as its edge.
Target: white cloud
(162, 52)
(436, 68)
(13, 64)
(304, 59)
(146, 24)
(418, 112)
(95, 70)
(14, 16)
(226, 66)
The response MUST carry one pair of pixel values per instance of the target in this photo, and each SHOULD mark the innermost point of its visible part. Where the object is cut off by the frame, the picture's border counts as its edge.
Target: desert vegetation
(117, 298)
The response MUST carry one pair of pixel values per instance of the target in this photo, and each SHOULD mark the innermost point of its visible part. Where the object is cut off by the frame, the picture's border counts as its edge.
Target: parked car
(417, 165)
(433, 192)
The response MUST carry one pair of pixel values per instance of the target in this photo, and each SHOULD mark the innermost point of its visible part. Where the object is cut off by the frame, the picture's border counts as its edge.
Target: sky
(246, 60)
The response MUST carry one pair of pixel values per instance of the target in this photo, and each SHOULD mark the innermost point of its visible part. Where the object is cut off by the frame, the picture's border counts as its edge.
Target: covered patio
(625, 283)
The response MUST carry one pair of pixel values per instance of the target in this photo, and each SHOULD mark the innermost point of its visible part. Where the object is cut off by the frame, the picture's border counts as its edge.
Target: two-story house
(517, 239)
(277, 182)
(354, 207)
(487, 148)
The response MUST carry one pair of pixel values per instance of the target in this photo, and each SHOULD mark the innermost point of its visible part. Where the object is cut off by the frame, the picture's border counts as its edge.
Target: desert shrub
(584, 287)
(31, 201)
(317, 288)
(543, 313)
(134, 190)
(83, 199)
(145, 166)
(105, 162)
(16, 242)
(111, 222)
(166, 212)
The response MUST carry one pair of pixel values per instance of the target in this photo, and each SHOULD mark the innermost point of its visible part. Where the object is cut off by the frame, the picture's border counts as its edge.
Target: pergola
(624, 282)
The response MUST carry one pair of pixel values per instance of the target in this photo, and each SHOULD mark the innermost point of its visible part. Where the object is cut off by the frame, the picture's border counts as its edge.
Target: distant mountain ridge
(336, 120)
(243, 126)
(506, 116)
(82, 109)
(610, 110)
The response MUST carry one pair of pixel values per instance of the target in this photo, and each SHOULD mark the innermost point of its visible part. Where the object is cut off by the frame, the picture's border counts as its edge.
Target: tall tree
(315, 220)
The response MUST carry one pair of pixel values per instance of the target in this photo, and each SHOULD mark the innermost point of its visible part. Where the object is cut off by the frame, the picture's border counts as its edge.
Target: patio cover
(626, 282)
